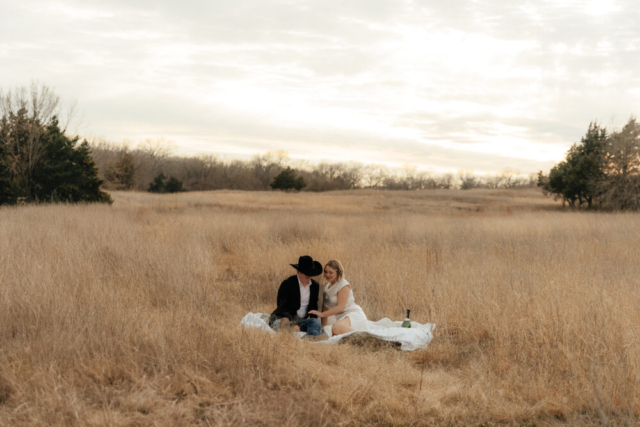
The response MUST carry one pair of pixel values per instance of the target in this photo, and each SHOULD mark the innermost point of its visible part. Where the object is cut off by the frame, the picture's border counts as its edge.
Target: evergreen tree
(66, 171)
(21, 138)
(38, 162)
(174, 185)
(620, 189)
(158, 184)
(8, 190)
(577, 178)
(287, 180)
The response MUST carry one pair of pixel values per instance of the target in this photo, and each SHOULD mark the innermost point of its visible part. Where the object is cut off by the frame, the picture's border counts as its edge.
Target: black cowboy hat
(307, 266)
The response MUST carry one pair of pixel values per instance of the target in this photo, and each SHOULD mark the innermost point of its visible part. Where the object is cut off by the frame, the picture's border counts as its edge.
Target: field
(128, 314)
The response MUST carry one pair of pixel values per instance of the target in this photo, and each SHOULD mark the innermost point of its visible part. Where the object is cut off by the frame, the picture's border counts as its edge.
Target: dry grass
(128, 314)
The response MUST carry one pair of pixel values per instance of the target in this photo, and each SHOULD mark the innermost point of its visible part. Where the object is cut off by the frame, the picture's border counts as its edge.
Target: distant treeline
(125, 168)
(40, 162)
(602, 171)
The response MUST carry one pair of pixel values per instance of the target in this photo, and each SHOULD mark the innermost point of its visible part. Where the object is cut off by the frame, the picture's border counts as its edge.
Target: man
(298, 295)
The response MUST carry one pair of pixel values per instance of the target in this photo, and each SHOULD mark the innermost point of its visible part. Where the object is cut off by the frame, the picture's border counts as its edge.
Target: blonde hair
(337, 266)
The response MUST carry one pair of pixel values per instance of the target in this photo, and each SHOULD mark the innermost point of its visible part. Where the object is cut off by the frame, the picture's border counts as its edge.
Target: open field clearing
(128, 314)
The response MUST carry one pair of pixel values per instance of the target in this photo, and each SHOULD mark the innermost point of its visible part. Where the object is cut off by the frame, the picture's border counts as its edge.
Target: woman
(339, 302)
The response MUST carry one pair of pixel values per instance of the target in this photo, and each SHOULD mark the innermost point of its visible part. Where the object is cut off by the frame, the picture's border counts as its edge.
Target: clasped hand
(317, 313)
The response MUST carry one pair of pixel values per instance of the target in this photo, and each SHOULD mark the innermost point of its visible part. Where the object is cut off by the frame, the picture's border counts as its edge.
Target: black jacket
(289, 299)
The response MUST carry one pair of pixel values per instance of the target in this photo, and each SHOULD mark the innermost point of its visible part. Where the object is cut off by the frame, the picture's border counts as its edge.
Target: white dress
(352, 310)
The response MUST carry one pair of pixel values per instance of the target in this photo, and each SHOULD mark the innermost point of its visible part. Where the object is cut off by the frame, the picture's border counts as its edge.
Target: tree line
(601, 171)
(124, 167)
(41, 162)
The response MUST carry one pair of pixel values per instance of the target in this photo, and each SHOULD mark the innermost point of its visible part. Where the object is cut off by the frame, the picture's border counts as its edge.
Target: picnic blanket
(414, 338)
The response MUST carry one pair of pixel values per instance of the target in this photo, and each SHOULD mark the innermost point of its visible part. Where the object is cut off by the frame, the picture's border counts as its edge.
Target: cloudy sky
(476, 84)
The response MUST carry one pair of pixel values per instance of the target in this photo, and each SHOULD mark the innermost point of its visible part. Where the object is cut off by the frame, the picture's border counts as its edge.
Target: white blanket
(414, 338)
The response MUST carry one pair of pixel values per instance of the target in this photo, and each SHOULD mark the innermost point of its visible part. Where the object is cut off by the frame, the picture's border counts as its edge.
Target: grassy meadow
(129, 314)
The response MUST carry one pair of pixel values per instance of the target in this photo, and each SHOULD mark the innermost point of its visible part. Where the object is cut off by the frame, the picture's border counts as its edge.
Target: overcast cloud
(477, 84)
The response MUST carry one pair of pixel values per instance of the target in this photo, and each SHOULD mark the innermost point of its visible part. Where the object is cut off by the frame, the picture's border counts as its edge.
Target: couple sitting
(298, 301)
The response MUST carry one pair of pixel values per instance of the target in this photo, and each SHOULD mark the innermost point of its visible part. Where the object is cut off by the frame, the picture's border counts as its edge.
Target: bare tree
(150, 155)
(445, 181)
(413, 179)
(374, 176)
(508, 178)
(467, 179)
(353, 175)
(155, 152)
(266, 166)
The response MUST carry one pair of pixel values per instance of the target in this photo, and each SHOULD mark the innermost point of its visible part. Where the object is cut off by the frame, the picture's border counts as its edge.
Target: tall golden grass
(128, 314)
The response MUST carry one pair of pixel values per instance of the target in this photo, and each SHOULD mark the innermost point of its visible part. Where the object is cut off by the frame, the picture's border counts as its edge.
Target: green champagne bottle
(407, 322)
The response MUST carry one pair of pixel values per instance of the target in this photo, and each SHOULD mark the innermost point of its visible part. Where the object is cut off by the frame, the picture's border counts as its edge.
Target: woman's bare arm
(324, 320)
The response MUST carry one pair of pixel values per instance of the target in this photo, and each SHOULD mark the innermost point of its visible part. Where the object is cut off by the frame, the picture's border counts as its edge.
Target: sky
(440, 85)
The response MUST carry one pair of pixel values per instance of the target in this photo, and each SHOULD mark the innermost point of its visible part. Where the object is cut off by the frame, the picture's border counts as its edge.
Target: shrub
(173, 185)
(287, 180)
(121, 173)
(157, 186)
